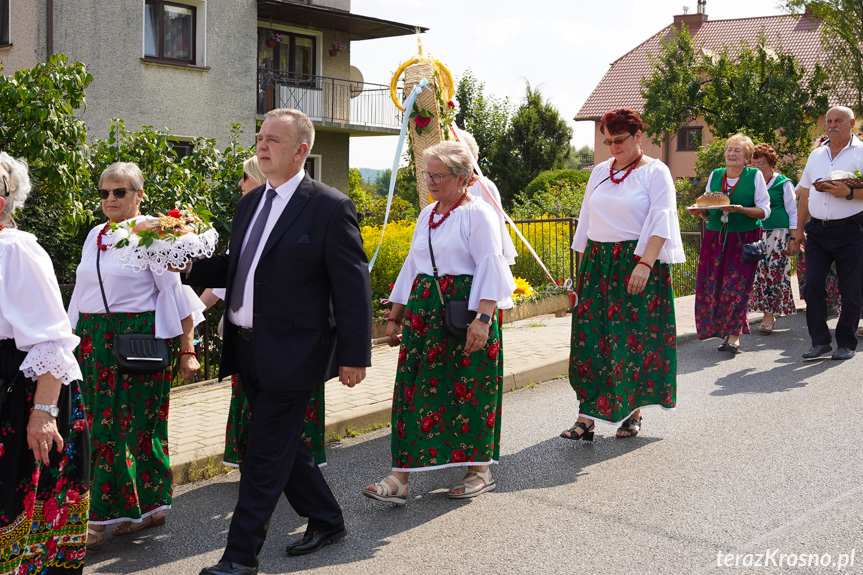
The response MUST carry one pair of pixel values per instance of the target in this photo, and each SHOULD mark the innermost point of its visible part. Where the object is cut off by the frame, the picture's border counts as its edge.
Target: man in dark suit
(298, 304)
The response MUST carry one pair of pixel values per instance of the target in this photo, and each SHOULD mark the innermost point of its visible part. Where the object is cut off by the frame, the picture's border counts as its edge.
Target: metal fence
(325, 99)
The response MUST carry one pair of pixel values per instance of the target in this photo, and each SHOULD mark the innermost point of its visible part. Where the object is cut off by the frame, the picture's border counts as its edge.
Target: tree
(536, 140)
(842, 40)
(579, 158)
(759, 90)
(484, 116)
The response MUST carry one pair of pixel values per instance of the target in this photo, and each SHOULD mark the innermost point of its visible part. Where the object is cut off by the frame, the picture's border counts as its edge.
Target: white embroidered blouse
(31, 310)
(643, 205)
(467, 243)
(131, 292)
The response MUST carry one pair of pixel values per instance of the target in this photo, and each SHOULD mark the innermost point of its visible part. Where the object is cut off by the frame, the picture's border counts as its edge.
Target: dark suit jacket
(312, 303)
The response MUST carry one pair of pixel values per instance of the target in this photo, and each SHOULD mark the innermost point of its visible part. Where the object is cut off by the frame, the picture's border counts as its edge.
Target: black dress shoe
(817, 351)
(732, 348)
(314, 540)
(225, 567)
(843, 353)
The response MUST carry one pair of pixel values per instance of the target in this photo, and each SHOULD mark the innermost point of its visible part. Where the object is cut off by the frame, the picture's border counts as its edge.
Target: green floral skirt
(624, 347)
(446, 405)
(128, 417)
(240, 415)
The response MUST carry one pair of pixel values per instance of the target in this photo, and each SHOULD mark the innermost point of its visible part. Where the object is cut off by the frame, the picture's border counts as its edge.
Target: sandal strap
(382, 488)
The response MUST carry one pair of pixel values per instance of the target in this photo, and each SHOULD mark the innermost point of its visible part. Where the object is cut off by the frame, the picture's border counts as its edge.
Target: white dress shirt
(131, 292)
(821, 162)
(467, 243)
(31, 310)
(244, 316)
(641, 206)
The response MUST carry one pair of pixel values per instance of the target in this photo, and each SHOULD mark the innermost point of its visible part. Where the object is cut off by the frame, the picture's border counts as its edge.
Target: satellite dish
(356, 78)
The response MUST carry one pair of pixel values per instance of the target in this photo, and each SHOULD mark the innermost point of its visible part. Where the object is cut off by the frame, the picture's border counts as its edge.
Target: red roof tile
(621, 85)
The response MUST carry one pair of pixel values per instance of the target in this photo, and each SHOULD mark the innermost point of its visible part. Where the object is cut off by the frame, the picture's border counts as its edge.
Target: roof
(359, 27)
(621, 85)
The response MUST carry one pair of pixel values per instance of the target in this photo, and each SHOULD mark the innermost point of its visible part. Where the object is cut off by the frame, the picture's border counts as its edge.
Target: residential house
(621, 85)
(195, 67)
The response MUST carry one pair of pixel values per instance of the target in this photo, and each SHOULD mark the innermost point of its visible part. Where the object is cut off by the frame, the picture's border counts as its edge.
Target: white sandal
(470, 490)
(383, 492)
(95, 539)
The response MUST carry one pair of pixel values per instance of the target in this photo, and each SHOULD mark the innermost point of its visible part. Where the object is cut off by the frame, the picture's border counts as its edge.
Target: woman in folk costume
(724, 281)
(623, 354)
(447, 397)
(44, 443)
(772, 293)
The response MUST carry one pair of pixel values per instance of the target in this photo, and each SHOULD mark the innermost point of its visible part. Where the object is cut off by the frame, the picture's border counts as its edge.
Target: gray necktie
(248, 253)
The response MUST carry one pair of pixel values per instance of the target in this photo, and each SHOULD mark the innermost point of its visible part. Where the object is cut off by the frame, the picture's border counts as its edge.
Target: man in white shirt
(833, 234)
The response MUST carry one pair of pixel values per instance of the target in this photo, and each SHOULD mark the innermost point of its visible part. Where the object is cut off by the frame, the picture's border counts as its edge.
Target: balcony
(356, 107)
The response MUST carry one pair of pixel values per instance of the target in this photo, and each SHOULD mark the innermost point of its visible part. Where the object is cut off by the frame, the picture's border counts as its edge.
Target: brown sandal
(630, 427)
(128, 527)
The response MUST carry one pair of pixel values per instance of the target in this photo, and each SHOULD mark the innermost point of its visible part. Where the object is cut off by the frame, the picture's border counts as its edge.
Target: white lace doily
(176, 252)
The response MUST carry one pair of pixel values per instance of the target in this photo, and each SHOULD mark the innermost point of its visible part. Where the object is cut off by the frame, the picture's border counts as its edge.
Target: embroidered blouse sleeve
(762, 197)
(790, 202)
(662, 219)
(32, 306)
(174, 303)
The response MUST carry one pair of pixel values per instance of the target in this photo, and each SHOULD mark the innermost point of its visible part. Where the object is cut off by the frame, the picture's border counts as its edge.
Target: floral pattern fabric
(446, 405)
(723, 284)
(771, 292)
(623, 353)
(834, 300)
(240, 415)
(128, 417)
(43, 510)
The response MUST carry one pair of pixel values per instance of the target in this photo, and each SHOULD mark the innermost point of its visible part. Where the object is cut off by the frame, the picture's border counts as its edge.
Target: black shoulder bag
(456, 316)
(135, 352)
(754, 251)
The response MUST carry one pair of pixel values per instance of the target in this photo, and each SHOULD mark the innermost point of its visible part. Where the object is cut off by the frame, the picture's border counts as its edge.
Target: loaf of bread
(711, 199)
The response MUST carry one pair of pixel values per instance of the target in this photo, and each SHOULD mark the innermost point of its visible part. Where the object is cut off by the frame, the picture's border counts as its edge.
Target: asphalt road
(760, 464)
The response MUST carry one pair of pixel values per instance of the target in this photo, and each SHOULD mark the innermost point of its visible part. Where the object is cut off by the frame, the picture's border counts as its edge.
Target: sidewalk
(535, 350)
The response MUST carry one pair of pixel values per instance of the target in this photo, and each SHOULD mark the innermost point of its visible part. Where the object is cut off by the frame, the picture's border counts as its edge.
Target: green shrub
(559, 178)
(558, 201)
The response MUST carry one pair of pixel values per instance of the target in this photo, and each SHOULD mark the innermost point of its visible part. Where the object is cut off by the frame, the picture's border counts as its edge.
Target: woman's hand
(42, 434)
(638, 279)
(477, 336)
(189, 366)
(699, 212)
(394, 330)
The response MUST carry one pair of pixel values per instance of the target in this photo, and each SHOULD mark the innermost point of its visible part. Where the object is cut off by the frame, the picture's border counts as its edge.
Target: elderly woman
(128, 413)
(724, 281)
(771, 293)
(447, 397)
(623, 355)
(239, 413)
(44, 445)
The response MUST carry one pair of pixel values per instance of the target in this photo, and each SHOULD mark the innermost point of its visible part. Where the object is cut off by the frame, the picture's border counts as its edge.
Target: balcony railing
(328, 99)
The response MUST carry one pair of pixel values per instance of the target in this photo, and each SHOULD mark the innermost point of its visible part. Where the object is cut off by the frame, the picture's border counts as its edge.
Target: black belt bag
(135, 352)
(456, 316)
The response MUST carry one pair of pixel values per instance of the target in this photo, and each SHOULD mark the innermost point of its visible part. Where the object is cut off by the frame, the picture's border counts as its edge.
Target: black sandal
(631, 426)
(586, 434)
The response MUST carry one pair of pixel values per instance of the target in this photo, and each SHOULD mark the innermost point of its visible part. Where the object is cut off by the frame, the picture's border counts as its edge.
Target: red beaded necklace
(629, 171)
(104, 231)
(726, 189)
(433, 224)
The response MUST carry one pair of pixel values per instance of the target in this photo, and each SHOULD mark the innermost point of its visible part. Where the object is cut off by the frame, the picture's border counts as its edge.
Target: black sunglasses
(119, 193)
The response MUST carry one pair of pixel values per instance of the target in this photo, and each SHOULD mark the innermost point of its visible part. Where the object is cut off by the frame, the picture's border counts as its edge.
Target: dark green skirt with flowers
(446, 405)
(240, 415)
(128, 417)
(624, 347)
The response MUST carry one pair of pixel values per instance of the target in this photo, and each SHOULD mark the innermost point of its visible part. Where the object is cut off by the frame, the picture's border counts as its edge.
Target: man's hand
(351, 376)
(837, 189)
(795, 244)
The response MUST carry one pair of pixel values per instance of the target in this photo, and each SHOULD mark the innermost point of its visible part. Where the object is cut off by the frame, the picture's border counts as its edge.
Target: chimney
(692, 21)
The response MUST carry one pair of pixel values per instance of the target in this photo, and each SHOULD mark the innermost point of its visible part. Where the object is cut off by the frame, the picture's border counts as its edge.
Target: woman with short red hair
(771, 293)
(623, 354)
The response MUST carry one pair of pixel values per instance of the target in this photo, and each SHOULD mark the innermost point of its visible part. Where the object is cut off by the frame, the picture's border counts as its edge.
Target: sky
(562, 47)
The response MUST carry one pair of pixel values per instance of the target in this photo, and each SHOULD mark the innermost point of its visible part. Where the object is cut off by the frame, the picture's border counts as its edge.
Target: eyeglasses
(616, 141)
(434, 178)
(119, 193)
(761, 165)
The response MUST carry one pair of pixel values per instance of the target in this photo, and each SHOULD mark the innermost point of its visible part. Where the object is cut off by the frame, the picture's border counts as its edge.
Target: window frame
(684, 136)
(193, 41)
(316, 166)
(8, 30)
(291, 33)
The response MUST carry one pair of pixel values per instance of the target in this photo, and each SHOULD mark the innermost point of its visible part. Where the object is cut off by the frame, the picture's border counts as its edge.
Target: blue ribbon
(408, 106)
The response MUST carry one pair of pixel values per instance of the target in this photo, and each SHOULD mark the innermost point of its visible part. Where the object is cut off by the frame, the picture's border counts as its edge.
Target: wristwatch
(51, 410)
(850, 195)
(485, 318)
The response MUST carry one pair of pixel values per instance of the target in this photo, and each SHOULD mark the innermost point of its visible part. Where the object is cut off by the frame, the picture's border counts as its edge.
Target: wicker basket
(850, 182)
(427, 100)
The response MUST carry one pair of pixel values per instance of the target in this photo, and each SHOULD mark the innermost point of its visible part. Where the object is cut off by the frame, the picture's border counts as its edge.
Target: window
(169, 31)
(4, 22)
(183, 148)
(313, 167)
(689, 139)
(295, 55)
